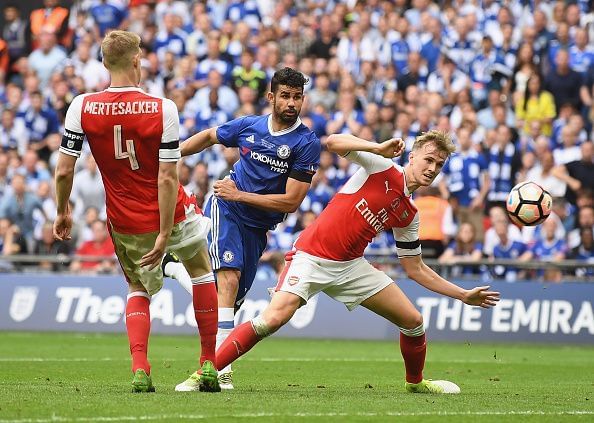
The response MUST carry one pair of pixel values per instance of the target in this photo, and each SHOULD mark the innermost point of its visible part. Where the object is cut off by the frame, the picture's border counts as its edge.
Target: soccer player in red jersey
(328, 255)
(134, 138)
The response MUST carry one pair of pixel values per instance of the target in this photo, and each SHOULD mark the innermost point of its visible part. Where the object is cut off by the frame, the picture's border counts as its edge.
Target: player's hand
(481, 296)
(226, 190)
(63, 226)
(391, 148)
(153, 258)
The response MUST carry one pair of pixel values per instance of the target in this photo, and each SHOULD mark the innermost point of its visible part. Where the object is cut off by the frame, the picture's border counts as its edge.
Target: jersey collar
(122, 89)
(284, 131)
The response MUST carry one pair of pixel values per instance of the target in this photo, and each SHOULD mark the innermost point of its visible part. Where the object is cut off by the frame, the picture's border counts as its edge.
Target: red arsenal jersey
(374, 199)
(129, 132)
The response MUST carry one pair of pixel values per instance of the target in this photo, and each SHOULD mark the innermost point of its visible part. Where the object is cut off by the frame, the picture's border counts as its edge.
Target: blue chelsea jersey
(266, 160)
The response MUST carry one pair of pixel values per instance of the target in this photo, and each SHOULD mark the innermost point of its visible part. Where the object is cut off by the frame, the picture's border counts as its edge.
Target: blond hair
(442, 141)
(118, 49)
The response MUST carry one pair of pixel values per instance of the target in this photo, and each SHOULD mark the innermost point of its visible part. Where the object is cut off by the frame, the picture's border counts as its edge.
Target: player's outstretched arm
(64, 177)
(343, 143)
(200, 141)
(168, 187)
(418, 271)
(282, 203)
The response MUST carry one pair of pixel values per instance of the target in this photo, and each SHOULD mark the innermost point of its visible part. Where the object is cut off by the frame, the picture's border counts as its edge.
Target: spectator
(549, 248)
(504, 161)
(19, 205)
(107, 15)
(585, 219)
(34, 170)
(48, 246)
(16, 34)
(244, 11)
(578, 174)
(466, 183)
(51, 18)
(87, 189)
(581, 54)
(246, 75)
(297, 40)
(447, 80)
(13, 133)
(324, 46)
(212, 61)
(90, 69)
(227, 100)
(11, 242)
(465, 247)
(498, 214)
(48, 57)
(536, 105)
(439, 221)
(99, 246)
(506, 248)
(41, 122)
(321, 93)
(543, 175)
(584, 252)
(563, 82)
(415, 73)
(170, 38)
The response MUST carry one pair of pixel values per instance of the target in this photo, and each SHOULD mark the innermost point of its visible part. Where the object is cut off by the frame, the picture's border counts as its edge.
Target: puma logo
(388, 189)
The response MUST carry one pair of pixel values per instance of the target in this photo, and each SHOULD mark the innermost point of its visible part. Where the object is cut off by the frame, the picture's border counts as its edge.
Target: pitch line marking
(303, 415)
(262, 359)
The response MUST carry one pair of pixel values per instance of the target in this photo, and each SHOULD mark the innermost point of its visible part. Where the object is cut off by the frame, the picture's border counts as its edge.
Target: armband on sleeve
(72, 143)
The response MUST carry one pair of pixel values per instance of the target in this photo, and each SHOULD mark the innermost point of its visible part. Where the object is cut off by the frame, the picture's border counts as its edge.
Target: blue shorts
(232, 245)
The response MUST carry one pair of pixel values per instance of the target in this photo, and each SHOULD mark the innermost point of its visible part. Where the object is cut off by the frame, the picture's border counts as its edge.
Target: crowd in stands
(512, 81)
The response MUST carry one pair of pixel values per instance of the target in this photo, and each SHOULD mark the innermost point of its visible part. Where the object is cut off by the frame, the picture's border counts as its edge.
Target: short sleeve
(407, 239)
(307, 160)
(372, 163)
(228, 133)
(169, 150)
(73, 137)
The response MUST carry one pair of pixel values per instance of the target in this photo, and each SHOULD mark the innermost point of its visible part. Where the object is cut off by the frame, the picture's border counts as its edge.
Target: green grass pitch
(49, 377)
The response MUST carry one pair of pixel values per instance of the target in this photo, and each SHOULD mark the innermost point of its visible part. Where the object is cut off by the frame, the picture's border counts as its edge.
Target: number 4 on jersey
(130, 153)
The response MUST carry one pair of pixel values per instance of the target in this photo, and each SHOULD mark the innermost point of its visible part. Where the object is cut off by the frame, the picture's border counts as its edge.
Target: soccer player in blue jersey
(278, 157)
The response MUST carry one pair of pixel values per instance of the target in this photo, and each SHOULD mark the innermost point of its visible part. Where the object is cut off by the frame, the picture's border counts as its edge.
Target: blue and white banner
(527, 312)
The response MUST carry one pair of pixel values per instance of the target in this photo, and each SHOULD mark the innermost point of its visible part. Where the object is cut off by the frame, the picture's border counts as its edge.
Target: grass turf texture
(48, 377)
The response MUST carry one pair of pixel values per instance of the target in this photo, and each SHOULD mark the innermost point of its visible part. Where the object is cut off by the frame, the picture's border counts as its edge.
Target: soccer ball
(528, 204)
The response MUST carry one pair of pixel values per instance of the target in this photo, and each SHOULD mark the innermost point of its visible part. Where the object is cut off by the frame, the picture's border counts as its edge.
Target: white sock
(178, 272)
(226, 325)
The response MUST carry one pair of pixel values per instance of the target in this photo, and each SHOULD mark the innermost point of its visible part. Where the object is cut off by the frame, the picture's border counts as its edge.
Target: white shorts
(187, 238)
(350, 282)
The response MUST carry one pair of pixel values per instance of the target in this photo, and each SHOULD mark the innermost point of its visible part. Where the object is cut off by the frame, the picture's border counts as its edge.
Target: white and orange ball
(528, 204)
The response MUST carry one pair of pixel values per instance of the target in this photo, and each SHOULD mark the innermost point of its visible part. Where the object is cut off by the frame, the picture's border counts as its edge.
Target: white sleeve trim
(372, 163)
(72, 122)
(169, 155)
(170, 121)
(408, 235)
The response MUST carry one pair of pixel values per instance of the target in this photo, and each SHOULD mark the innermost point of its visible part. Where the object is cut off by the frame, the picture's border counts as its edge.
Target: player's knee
(413, 321)
(136, 287)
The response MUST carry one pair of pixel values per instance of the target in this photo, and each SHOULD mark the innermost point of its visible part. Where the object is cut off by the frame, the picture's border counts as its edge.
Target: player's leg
(188, 242)
(142, 283)
(280, 310)
(138, 327)
(291, 292)
(392, 304)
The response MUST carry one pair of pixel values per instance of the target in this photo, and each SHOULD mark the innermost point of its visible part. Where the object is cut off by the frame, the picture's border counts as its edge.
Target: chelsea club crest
(283, 151)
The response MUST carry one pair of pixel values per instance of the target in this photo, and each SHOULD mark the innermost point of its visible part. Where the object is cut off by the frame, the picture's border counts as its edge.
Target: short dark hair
(289, 77)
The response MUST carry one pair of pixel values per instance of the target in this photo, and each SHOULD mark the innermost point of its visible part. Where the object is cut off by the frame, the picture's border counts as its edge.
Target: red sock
(413, 350)
(206, 311)
(239, 341)
(138, 325)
